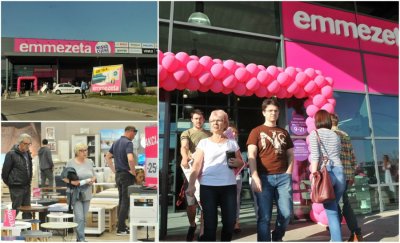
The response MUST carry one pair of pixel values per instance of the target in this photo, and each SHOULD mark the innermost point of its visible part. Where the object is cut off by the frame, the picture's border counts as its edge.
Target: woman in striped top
(330, 147)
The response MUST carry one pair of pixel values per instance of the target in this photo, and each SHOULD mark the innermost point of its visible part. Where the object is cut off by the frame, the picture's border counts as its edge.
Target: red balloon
(311, 87)
(319, 100)
(310, 73)
(253, 69)
(273, 71)
(162, 73)
(180, 86)
(261, 92)
(230, 65)
(300, 93)
(273, 87)
(207, 62)
(226, 90)
(169, 84)
(170, 63)
(218, 71)
(206, 78)
(327, 91)
(193, 84)
(302, 78)
(248, 93)
(311, 110)
(293, 88)
(204, 88)
(291, 71)
(320, 81)
(216, 86)
(283, 79)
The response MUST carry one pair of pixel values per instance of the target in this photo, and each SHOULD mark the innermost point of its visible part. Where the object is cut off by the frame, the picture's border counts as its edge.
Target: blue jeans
(211, 197)
(331, 208)
(81, 208)
(276, 187)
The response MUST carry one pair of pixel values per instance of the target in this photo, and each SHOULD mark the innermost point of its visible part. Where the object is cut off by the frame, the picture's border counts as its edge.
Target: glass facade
(251, 33)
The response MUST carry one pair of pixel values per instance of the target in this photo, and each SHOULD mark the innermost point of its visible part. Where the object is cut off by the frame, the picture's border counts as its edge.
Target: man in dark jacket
(17, 173)
(46, 164)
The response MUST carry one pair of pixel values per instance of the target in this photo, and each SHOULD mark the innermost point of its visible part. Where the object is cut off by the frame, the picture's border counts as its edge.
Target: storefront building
(63, 61)
(350, 43)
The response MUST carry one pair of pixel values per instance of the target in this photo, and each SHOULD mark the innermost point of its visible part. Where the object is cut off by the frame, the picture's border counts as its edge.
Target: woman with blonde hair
(213, 165)
(82, 193)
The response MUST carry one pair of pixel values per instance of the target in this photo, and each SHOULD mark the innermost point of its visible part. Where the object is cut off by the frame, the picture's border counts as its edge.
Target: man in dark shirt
(124, 169)
(46, 164)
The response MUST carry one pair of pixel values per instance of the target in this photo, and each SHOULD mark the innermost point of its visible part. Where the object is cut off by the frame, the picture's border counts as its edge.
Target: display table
(44, 201)
(14, 230)
(95, 225)
(33, 209)
(36, 235)
(101, 186)
(50, 194)
(61, 227)
(111, 215)
(60, 217)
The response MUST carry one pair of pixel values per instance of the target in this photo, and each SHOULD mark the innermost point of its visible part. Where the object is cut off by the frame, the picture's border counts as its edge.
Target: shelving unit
(93, 143)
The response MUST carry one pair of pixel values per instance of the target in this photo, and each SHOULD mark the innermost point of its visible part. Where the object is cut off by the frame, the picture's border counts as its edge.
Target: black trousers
(123, 179)
(21, 196)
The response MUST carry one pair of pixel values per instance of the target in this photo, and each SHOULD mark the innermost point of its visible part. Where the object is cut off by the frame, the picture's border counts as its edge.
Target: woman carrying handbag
(325, 146)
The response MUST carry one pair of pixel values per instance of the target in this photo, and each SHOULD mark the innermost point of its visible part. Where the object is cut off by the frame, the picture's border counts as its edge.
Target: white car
(66, 89)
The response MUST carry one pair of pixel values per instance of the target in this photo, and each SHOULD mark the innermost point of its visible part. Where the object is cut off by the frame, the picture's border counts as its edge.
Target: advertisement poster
(109, 79)
(151, 151)
(108, 136)
(9, 217)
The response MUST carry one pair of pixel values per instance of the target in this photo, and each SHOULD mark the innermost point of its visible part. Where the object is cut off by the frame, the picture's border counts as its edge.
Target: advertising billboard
(108, 79)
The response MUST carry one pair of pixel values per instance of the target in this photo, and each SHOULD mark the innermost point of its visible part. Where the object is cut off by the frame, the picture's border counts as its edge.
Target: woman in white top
(329, 146)
(217, 178)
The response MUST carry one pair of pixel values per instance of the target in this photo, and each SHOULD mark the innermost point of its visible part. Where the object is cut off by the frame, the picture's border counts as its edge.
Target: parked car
(66, 89)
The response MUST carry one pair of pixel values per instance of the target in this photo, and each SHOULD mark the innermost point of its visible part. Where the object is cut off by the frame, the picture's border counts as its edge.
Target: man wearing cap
(124, 169)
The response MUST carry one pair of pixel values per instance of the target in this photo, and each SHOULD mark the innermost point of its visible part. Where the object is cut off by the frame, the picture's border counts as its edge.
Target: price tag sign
(151, 168)
(151, 150)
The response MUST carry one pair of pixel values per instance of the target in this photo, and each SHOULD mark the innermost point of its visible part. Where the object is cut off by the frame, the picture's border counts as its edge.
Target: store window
(385, 115)
(164, 9)
(257, 17)
(225, 46)
(353, 115)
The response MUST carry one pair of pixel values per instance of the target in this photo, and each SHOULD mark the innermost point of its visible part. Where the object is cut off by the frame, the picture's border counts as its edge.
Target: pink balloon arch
(181, 71)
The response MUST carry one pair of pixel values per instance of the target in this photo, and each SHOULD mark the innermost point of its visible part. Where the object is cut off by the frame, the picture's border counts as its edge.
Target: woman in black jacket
(17, 173)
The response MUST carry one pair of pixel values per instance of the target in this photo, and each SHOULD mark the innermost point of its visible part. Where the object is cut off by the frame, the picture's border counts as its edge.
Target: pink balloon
(282, 93)
(242, 74)
(280, 69)
(319, 100)
(230, 81)
(216, 86)
(299, 70)
(318, 207)
(300, 93)
(310, 121)
(168, 53)
(273, 87)
(170, 63)
(160, 56)
(206, 78)
(310, 129)
(169, 84)
(226, 90)
(162, 73)
(327, 91)
(311, 110)
(193, 57)
(308, 142)
(181, 75)
(252, 84)
(248, 93)
(310, 87)
(240, 65)
(283, 79)
(310, 73)
(302, 78)
(194, 68)
(218, 71)
(240, 89)
(206, 61)
(253, 69)
(320, 81)
(204, 88)
(328, 107)
(318, 72)
(193, 84)
(230, 65)
(261, 67)
(183, 57)
(332, 101)
(329, 80)
(308, 102)
(261, 92)
(264, 77)
(217, 61)
(293, 88)
(273, 71)
(291, 71)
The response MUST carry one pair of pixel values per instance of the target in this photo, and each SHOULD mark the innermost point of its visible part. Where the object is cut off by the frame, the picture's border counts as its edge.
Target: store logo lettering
(303, 20)
(51, 48)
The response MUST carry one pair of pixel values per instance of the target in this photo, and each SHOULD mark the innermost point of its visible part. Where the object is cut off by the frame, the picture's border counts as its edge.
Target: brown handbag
(321, 189)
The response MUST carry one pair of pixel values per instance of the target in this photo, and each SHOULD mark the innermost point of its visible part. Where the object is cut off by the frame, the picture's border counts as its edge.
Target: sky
(131, 21)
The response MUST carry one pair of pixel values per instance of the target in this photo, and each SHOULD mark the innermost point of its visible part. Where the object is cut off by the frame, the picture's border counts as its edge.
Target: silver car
(66, 89)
